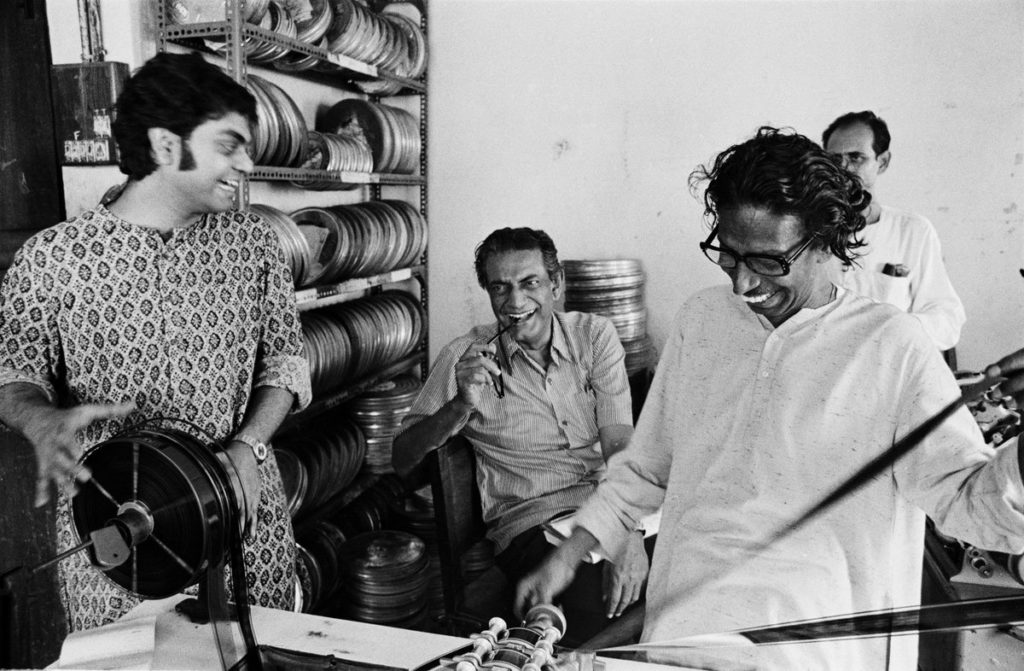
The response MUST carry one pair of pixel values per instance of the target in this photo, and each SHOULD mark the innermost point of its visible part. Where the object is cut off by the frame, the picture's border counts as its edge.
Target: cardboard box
(83, 97)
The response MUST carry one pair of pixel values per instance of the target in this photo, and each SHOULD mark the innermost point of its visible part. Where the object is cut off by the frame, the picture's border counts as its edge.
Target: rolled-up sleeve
(608, 377)
(28, 321)
(440, 386)
(281, 361)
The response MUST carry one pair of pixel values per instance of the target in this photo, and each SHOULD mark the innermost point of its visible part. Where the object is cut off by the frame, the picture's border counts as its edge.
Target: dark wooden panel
(27, 539)
(10, 242)
(31, 198)
(31, 191)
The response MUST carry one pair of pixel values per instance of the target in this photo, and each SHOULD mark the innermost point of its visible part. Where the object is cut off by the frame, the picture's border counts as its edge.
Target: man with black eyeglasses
(771, 391)
(901, 261)
(543, 397)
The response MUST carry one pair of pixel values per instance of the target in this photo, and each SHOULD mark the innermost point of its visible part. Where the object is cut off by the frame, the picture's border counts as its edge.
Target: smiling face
(750, 230)
(521, 291)
(211, 162)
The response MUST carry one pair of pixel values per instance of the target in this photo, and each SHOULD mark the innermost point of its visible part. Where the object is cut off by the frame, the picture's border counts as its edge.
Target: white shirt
(747, 426)
(904, 238)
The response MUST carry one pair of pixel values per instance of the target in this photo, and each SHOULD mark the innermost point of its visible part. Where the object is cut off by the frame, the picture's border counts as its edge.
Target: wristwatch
(259, 448)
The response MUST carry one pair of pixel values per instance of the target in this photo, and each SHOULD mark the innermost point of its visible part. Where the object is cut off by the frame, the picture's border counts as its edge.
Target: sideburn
(187, 160)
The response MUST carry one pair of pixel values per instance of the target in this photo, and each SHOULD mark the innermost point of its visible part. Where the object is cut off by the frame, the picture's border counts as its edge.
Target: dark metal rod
(868, 471)
(878, 464)
(62, 555)
(971, 614)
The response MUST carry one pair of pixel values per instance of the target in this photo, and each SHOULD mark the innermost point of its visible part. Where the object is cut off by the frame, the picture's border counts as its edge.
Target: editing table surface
(154, 636)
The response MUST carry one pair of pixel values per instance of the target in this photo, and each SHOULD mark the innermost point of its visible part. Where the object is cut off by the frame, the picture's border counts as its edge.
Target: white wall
(584, 117)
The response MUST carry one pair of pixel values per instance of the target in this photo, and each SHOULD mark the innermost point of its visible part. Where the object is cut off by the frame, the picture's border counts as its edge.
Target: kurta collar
(803, 317)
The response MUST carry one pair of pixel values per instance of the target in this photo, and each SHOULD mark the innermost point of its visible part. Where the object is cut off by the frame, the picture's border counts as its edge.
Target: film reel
(176, 484)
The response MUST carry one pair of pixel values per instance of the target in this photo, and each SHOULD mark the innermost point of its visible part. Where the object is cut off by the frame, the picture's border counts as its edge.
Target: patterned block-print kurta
(99, 310)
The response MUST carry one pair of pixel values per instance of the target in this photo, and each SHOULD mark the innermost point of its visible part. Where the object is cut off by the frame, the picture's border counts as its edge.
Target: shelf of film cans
(322, 296)
(350, 391)
(268, 173)
(196, 36)
(364, 481)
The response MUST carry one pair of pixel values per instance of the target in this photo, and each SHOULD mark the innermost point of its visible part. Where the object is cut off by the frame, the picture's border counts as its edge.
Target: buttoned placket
(174, 323)
(764, 382)
(555, 368)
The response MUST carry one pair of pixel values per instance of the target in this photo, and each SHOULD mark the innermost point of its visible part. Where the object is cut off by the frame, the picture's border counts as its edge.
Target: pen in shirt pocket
(895, 270)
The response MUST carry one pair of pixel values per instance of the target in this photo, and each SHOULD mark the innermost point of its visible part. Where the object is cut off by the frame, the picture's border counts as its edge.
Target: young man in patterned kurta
(161, 303)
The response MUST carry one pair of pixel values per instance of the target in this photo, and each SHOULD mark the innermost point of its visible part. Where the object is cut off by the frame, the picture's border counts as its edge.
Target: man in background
(901, 262)
(161, 302)
(544, 400)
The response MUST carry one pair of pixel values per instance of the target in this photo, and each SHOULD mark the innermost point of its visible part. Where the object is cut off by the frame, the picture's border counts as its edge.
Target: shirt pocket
(892, 290)
(581, 413)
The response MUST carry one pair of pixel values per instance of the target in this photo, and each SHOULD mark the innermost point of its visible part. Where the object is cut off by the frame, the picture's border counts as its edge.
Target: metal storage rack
(233, 32)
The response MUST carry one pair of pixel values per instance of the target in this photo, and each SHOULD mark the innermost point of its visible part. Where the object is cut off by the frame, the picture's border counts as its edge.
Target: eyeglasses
(499, 380)
(769, 265)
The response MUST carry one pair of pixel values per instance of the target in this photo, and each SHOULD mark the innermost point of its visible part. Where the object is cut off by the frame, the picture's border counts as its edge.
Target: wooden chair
(950, 356)
(468, 605)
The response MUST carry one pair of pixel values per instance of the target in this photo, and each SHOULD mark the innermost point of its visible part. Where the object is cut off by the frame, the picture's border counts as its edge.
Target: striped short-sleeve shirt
(538, 450)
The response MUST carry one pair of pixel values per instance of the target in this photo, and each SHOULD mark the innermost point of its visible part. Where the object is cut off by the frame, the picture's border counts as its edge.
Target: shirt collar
(559, 344)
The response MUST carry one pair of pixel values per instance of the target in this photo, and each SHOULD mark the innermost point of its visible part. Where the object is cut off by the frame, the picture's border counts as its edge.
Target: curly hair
(879, 129)
(512, 240)
(785, 173)
(177, 92)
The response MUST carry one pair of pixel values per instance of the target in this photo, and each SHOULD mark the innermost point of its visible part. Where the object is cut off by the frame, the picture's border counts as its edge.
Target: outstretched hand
(542, 585)
(54, 435)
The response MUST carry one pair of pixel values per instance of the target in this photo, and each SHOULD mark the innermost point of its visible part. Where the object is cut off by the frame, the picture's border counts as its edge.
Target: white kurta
(901, 237)
(747, 426)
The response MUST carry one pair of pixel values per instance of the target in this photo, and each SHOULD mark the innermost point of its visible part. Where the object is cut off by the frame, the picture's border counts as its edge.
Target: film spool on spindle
(177, 481)
(528, 647)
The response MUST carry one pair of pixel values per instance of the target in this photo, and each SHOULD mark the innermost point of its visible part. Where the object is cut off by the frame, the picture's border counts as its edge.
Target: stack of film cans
(613, 288)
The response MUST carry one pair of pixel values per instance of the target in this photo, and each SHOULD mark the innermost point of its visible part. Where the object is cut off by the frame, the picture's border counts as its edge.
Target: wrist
(257, 447)
(576, 548)
(461, 407)
(238, 453)
(34, 420)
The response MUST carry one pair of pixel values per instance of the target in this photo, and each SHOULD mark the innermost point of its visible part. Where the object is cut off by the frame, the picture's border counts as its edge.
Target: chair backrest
(452, 472)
